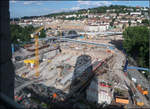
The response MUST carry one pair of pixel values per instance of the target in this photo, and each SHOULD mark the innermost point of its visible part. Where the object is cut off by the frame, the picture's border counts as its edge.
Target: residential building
(135, 13)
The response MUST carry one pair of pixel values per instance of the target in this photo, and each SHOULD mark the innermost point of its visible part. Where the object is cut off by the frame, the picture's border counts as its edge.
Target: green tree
(20, 34)
(15, 33)
(42, 34)
(112, 22)
(129, 22)
(124, 26)
(146, 22)
(136, 43)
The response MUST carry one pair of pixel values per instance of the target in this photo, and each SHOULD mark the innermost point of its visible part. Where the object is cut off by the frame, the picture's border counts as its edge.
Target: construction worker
(54, 97)
(32, 65)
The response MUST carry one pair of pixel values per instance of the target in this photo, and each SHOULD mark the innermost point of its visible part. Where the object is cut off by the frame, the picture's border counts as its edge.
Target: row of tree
(22, 34)
(136, 44)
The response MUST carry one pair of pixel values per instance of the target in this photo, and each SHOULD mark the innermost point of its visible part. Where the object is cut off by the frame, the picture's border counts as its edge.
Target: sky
(37, 8)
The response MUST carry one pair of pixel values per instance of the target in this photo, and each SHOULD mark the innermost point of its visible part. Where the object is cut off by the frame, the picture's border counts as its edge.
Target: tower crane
(35, 35)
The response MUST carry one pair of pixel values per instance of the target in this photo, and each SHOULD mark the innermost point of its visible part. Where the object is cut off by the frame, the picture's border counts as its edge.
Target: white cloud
(94, 3)
(13, 1)
(27, 2)
(75, 8)
(32, 2)
(84, 2)
(66, 9)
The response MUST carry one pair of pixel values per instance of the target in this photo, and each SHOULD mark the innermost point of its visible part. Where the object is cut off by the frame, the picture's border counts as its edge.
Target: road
(119, 58)
(85, 42)
(119, 62)
(66, 38)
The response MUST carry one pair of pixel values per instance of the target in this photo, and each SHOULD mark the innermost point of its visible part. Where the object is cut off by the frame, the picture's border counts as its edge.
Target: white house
(93, 15)
(96, 28)
(144, 9)
(92, 28)
(124, 21)
(69, 16)
(139, 20)
(123, 14)
(135, 13)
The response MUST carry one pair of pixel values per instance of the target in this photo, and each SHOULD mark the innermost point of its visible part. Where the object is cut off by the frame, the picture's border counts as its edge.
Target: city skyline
(37, 8)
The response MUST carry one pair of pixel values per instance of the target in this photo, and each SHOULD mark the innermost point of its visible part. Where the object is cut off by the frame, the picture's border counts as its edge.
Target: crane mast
(36, 37)
(37, 55)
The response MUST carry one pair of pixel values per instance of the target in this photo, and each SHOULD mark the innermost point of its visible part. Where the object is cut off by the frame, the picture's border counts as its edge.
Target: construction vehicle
(36, 37)
(142, 91)
(121, 96)
(140, 104)
(122, 100)
(138, 101)
(28, 61)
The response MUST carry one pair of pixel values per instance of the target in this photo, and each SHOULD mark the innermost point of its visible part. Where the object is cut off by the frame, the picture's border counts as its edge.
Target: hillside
(101, 9)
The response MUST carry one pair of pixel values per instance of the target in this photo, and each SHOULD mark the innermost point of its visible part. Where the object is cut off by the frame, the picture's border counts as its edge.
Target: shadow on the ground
(118, 44)
(41, 96)
(80, 75)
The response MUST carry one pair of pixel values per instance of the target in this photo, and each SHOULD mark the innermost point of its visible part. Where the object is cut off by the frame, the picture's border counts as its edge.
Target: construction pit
(57, 68)
(68, 68)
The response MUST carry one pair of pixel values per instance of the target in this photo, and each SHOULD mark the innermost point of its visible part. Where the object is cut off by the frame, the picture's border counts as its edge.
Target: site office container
(122, 100)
